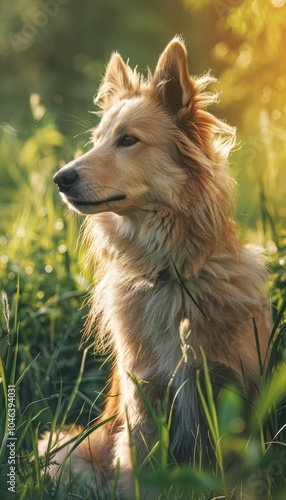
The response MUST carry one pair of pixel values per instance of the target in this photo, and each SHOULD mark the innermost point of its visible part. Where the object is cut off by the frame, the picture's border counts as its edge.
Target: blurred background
(52, 57)
(53, 54)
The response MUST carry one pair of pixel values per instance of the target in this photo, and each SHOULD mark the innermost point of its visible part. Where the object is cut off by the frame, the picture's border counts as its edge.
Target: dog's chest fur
(141, 314)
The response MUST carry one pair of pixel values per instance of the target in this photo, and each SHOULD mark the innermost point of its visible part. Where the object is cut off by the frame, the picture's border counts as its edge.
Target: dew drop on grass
(43, 211)
(271, 247)
(62, 248)
(59, 224)
(21, 233)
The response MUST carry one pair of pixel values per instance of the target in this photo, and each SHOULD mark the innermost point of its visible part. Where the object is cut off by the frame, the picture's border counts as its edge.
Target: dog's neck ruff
(163, 276)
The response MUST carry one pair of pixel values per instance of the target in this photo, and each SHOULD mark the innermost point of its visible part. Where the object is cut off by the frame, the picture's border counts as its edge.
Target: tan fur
(175, 208)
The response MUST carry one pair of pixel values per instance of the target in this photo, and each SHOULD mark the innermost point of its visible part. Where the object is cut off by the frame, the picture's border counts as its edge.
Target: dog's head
(155, 143)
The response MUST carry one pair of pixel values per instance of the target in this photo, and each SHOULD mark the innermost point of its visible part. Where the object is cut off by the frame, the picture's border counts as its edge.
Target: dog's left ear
(171, 81)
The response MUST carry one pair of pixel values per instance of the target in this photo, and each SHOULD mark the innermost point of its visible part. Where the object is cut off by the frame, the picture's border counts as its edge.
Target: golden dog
(172, 278)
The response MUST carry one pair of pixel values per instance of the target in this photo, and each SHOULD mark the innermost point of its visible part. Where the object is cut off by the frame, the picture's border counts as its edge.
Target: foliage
(59, 50)
(42, 317)
(42, 314)
(41, 270)
(248, 56)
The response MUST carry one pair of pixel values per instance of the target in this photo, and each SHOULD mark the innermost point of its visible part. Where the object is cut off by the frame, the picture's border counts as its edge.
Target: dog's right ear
(116, 82)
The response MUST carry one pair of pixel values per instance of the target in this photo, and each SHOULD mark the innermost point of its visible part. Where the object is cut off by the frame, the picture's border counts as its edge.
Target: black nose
(65, 178)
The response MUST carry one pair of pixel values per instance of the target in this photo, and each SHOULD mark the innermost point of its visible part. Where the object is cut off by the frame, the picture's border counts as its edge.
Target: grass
(57, 383)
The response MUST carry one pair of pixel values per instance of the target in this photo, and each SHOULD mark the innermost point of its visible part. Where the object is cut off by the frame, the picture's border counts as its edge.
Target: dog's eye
(127, 140)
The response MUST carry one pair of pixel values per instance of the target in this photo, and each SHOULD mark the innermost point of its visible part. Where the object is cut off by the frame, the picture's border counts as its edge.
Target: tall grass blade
(260, 362)
(210, 411)
(277, 322)
(272, 393)
(75, 390)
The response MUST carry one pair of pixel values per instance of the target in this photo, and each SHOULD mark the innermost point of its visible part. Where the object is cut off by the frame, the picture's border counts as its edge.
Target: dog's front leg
(133, 444)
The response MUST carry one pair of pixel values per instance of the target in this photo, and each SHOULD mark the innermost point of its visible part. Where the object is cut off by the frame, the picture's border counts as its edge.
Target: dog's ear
(116, 81)
(117, 73)
(171, 81)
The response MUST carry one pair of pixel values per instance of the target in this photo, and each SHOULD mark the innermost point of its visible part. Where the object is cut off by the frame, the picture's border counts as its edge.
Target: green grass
(57, 383)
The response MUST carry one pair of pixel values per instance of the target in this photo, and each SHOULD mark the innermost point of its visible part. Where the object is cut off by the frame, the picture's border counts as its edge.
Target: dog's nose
(65, 178)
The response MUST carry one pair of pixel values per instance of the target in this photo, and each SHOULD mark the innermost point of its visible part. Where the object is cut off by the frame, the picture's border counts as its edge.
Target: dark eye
(127, 140)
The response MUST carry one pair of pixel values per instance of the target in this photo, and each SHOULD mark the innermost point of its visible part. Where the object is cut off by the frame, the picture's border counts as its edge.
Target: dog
(174, 284)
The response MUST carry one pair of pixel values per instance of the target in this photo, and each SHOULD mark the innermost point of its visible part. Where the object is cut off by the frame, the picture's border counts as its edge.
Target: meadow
(50, 67)
(57, 381)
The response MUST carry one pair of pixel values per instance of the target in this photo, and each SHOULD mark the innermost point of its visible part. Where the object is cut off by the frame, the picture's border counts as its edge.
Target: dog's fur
(172, 278)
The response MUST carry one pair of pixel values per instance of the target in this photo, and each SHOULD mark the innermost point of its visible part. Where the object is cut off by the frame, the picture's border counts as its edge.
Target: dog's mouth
(90, 203)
